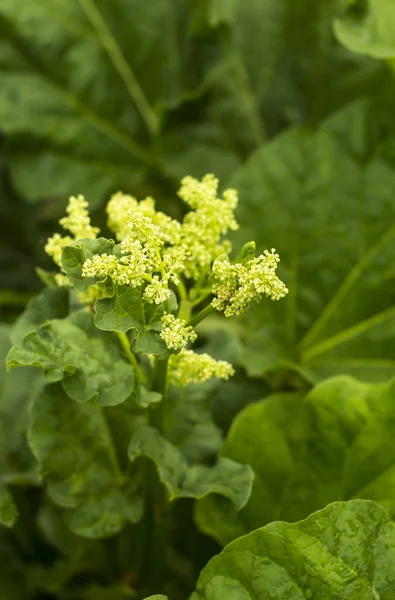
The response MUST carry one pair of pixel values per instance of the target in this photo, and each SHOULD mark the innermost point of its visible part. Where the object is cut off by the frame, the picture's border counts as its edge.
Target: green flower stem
(206, 293)
(123, 338)
(182, 290)
(202, 315)
(185, 310)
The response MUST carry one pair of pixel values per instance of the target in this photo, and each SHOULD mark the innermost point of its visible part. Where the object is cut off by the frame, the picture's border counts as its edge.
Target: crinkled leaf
(122, 312)
(336, 443)
(150, 343)
(52, 303)
(346, 550)
(226, 478)
(74, 256)
(125, 311)
(368, 28)
(319, 195)
(74, 351)
(79, 465)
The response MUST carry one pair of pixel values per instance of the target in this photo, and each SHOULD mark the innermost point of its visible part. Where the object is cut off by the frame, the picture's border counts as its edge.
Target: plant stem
(184, 312)
(182, 290)
(123, 338)
(156, 505)
(159, 384)
(206, 293)
(201, 315)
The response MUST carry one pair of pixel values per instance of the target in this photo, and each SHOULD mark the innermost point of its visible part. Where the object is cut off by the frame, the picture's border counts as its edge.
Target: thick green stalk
(159, 384)
(156, 503)
(185, 310)
(201, 315)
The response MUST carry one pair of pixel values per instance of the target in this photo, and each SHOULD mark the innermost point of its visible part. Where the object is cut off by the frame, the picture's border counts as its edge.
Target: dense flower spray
(161, 256)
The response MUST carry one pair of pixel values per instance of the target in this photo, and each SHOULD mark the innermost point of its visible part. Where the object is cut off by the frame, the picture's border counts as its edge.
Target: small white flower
(176, 333)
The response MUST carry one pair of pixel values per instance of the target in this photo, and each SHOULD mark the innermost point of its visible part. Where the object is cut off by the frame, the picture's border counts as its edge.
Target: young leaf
(122, 312)
(74, 351)
(334, 444)
(125, 311)
(320, 195)
(346, 550)
(74, 256)
(226, 478)
(79, 465)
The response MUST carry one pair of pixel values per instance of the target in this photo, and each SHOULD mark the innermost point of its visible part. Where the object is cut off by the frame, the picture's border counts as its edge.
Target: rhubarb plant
(113, 333)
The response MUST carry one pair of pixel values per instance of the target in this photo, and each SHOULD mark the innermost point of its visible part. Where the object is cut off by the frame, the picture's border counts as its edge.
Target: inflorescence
(157, 254)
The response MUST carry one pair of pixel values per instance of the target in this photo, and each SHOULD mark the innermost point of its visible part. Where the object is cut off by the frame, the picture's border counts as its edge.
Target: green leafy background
(291, 102)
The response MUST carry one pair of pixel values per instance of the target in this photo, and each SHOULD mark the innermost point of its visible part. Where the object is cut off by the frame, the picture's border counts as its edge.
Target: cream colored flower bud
(176, 333)
(189, 367)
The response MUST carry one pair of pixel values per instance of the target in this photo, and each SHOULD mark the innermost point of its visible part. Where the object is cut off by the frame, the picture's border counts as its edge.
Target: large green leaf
(334, 444)
(100, 95)
(368, 28)
(325, 199)
(74, 351)
(79, 465)
(88, 82)
(226, 478)
(345, 551)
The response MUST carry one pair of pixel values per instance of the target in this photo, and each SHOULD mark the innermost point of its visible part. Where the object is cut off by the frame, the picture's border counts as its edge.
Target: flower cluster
(189, 367)
(77, 222)
(209, 220)
(155, 249)
(176, 333)
(122, 206)
(237, 285)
